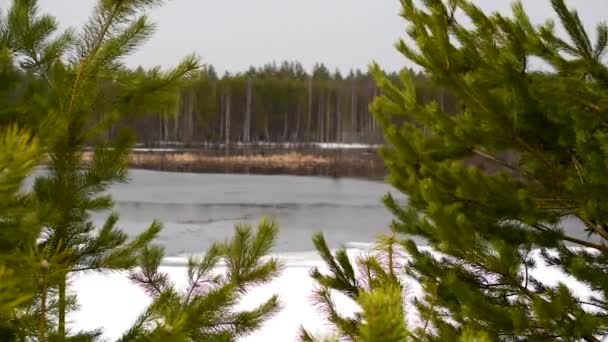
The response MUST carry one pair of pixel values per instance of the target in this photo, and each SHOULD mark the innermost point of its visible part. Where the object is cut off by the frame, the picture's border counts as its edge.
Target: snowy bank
(112, 303)
(176, 146)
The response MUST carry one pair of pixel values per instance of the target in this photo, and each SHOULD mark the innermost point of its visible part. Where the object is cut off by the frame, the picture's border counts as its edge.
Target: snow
(159, 150)
(177, 147)
(99, 296)
(345, 146)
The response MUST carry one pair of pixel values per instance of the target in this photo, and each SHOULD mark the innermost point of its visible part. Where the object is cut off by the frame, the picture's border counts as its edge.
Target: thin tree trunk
(285, 127)
(353, 113)
(62, 307)
(339, 118)
(160, 128)
(371, 115)
(191, 118)
(247, 125)
(166, 128)
(298, 116)
(176, 126)
(221, 127)
(328, 118)
(320, 119)
(42, 318)
(309, 118)
(228, 118)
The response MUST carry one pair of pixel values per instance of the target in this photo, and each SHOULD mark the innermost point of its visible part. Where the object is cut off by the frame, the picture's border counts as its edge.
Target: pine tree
(18, 152)
(78, 87)
(69, 89)
(374, 282)
(486, 214)
(206, 309)
(19, 226)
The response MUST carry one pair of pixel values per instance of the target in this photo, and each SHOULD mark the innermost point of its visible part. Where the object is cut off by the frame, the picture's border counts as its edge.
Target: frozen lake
(197, 209)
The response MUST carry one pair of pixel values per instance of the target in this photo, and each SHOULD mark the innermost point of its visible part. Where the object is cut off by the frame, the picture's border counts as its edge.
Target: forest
(275, 103)
(466, 254)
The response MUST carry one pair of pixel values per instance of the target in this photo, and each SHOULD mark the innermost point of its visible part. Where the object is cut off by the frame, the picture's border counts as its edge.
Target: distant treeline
(278, 103)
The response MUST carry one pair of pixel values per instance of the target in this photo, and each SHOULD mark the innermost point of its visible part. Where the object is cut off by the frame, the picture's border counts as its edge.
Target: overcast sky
(234, 34)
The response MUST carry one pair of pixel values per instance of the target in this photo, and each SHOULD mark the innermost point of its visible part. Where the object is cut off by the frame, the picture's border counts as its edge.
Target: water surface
(197, 209)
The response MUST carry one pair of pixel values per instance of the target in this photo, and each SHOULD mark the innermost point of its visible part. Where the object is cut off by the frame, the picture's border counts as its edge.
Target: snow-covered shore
(176, 146)
(112, 303)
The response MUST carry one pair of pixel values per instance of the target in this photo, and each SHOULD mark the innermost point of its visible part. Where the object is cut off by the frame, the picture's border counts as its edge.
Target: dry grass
(280, 160)
(327, 163)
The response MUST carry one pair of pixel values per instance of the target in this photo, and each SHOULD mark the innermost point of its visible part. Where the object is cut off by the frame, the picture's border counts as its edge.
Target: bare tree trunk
(285, 127)
(298, 116)
(309, 119)
(353, 112)
(166, 128)
(176, 125)
(368, 124)
(247, 124)
(160, 128)
(222, 105)
(320, 119)
(374, 124)
(191, 118)
(339, 117)
(328, 118)
(228, 118)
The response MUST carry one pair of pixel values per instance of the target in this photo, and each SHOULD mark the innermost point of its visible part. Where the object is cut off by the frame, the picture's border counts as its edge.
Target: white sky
(234, 34)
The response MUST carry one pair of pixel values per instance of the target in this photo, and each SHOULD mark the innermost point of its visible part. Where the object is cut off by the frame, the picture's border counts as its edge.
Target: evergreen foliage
(62, 92)
(547, 200)
(69, 90)
(206, 310)
(375, 283)
(19, 226)
(275, 103)
(63, 98)
(18, 152)
(372, 283)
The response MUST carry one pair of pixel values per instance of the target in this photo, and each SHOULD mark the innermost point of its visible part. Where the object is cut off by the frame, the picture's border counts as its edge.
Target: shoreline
(362, 163)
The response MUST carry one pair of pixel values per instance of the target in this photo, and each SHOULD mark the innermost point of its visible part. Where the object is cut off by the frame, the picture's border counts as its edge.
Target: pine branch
(342, 276)
(483, 221)
(383, 316)
(206, 309)
(574, 27)
(148, 276)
